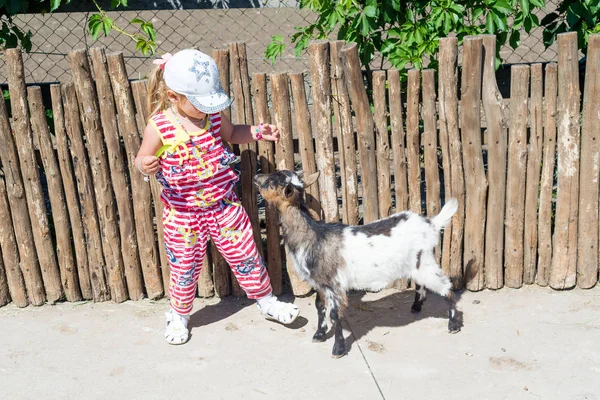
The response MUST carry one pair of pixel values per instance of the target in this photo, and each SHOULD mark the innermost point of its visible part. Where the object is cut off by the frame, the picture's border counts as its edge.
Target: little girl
(183, 148)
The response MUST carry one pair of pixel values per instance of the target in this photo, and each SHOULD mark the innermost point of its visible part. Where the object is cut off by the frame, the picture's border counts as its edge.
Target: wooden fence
(78, 221)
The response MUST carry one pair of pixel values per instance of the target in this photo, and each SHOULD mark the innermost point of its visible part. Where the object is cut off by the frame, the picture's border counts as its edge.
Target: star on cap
(199, 73)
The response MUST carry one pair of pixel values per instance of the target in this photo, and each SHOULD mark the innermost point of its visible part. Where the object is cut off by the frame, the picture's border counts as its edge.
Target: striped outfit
(200, 201)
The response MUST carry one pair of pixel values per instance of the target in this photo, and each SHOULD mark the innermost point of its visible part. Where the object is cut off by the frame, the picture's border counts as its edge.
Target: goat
(335, 258)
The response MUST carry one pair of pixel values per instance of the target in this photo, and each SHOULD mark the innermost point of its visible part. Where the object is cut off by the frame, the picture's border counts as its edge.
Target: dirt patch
(231, 327)
(503, 363)
(376, 347)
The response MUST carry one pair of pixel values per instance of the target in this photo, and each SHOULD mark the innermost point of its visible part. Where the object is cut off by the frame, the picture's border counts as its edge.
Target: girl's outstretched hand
(270, 132)
(149, 164)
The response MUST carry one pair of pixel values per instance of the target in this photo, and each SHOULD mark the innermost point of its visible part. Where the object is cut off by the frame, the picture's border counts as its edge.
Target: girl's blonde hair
(157, 91)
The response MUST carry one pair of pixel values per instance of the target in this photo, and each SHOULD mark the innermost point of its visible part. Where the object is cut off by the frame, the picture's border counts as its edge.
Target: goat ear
(312, 178)
(288, 190)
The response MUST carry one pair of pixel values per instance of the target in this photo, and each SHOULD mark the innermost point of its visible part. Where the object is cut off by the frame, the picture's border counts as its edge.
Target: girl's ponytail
(157, 91)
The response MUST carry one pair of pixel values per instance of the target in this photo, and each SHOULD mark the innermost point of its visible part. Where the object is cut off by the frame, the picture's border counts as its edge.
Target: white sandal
(275, 310)
(177, 331)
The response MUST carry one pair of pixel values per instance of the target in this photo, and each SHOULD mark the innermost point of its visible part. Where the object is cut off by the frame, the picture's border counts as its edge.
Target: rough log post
(140, 97)
(587, 241)
(338, 124)
(285, 157)
(497, 133)
(547, 180)
(142, 196)
(64, 250)
(398, 138)
(515, 187)
(10, 253)
(564, 260)
(100, 290)
(221, 57)
(413, 142)
(243, 109)
(448, 78)
(365, 126)
(4, 293)
(430, 146)
(25, 257)
(90, 116)
(384, 179)
(31, 176)
(534, 160)
(118, 175)
(320, 76)
(68, 180)
(206, 287)
(346, 135)
(305, 139)
(476, 185)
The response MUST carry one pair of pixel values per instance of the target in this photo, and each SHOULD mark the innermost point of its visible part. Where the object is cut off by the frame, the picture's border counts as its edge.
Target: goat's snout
(259, 180)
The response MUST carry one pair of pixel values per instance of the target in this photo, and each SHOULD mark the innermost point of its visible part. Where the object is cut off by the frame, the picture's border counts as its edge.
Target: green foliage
(409, 31)
(582, 17)
(275, 48)
(12, 36)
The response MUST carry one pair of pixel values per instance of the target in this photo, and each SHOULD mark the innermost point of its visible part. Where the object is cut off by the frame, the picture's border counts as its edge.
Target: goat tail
(445, 216)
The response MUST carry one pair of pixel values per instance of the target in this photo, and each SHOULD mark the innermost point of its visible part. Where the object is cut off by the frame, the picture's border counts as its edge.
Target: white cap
(195, 75)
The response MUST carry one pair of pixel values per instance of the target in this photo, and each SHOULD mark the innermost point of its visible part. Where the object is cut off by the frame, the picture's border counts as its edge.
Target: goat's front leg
(420, 296)
(339, 347)
(453, 321)
(322, 323)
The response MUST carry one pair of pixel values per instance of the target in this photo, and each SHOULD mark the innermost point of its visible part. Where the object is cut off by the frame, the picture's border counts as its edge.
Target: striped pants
(186, 235)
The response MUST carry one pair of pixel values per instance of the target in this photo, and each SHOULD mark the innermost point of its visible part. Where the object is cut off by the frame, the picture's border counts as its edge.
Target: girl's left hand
(270, 132)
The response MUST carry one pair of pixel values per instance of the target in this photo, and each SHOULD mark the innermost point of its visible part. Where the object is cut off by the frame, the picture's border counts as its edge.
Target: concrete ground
(532, 343)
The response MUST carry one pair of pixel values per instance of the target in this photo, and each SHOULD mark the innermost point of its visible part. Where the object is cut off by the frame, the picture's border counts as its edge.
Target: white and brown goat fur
(335, 258)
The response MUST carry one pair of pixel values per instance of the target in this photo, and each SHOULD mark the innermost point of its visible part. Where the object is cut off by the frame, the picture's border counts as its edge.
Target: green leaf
(107, 24)
(524, 6)
(515, 39)
(538, 3)
(137, 21)
(527, 23)
(370, 11)
(499, 21)
(54, 4)
(489, 23)
(148, 29)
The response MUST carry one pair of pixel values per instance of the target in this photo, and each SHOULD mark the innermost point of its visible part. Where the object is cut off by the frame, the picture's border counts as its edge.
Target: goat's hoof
(416, 308)
(453, 327)
(338, 351)
(319, 337)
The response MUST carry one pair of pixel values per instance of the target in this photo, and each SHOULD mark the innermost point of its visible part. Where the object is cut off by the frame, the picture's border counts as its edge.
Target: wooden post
(338, 124)
(31, 176)
(221, 57)
(64, 250)
(413, 142)
(398, 137)
(142, 196)
(10, 252)
(320, 76)
(346, 148)
(564, 259)
(107, 214)
(547, 180)
(430, 146)
(100, 291)
(534, 160)
(18, 213)
(497, 127)
(476, 185)
(366, 139)
(515, 187)
(4, 293)
(384, 179)
(140, 97)
(587, 241)
(285, 161)
(118, 175)
(222, 275)
(243, 107)
(305, 140)
(66, 173)
(448, 98)
(206, 287)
